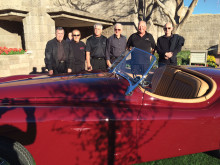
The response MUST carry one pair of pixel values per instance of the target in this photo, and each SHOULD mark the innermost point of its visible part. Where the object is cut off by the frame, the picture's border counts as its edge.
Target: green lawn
(194, 159)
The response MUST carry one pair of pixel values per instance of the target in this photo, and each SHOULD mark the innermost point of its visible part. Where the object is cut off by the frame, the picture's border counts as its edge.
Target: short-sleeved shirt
(115, 46)
(79, 52)
(145, 43)
(96, 46)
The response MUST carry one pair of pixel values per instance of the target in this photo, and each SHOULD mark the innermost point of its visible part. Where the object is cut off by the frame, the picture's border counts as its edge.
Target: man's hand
(89, 68)
(108, 63)
(50, 72)
(69, 70)
(168, 55)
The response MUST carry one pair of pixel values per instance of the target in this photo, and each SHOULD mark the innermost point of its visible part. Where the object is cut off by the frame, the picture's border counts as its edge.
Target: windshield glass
(135, 66)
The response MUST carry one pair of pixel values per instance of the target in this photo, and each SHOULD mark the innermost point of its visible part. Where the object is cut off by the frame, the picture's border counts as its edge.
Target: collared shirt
(60, 51)
(79, 52)
(145, 43)
(96, 46)
(115, 46)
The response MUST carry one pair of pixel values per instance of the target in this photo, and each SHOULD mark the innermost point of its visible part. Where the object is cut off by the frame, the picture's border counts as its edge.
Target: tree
(171, 11)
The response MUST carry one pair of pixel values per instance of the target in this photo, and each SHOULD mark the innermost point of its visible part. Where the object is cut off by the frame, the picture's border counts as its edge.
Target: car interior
(181, 84)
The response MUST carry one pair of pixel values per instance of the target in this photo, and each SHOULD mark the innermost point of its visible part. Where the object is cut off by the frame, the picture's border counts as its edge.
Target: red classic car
(134, 113)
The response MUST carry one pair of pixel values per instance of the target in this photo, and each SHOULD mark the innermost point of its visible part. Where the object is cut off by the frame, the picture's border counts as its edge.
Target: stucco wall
(15, 64)
(202, 32)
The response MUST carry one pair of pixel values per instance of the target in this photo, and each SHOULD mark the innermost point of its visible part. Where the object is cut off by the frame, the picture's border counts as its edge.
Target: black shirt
(60, 51)
(79, 52)
(164, 45)
(115, 46)
(96, 46)
(145, 43)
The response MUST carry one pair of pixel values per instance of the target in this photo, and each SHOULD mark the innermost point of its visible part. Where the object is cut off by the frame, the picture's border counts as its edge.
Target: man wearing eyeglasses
(78, 49)
(95, 50)
(168, 46)
(116, 45)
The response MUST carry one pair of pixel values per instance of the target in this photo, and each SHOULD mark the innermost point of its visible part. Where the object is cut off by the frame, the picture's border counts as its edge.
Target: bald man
(168, 46)
(142, 39)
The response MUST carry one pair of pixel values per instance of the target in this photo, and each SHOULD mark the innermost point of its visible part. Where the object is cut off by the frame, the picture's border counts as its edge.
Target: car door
(168, 129)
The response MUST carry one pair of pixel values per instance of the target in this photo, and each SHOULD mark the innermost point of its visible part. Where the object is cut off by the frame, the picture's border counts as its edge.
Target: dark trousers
(98, 64)
(77, 68)
(60, 68)
(112, 59)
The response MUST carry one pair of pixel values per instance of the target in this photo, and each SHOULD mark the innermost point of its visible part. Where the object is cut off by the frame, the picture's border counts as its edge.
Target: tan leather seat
(162, 79)
(172, 82)
(185, 85)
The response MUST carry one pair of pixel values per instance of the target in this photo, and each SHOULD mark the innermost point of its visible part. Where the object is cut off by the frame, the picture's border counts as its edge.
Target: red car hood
(63, 89)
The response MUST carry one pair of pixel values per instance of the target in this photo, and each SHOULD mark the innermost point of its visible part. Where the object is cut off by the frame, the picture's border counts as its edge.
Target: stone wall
(11, 34)
(201, 32)
(15, 64)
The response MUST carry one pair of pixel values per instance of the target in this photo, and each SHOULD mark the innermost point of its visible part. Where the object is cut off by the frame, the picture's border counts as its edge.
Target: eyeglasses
(117, 29)
(167, 28)
(76, 35)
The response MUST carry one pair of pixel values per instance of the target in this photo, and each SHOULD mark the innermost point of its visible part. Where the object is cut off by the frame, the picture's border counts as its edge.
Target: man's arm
(153, 45)
(177, 46)
(129, 43)
(160, 51)
(48, 57)
(89, 66)
(107, 52)
(71, 58)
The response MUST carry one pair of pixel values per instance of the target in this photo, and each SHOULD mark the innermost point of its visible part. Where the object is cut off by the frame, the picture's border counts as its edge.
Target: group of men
(68, 56)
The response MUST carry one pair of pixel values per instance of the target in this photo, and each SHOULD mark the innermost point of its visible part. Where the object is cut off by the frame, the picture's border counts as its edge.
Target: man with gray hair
(116, 45)
(95, 50)
(58, 55)
(142, 39)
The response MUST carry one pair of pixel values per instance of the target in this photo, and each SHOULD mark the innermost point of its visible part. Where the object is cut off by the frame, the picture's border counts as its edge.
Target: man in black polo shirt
(142, 39)
(95, 50)
(78, 47)
(168, 46)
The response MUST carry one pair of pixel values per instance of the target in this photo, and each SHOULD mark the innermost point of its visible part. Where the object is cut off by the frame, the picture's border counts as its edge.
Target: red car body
(88, 119)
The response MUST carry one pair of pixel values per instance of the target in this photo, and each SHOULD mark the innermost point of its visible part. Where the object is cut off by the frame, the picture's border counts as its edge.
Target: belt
(61, 61)
(98, 58)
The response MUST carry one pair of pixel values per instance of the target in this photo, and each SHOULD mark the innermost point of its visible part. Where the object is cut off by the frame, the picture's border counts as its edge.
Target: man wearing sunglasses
(168, 46)
(78, 49)
(116, 45)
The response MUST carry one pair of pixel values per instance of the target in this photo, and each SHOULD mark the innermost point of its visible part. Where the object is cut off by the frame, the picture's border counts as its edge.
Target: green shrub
(183, 57)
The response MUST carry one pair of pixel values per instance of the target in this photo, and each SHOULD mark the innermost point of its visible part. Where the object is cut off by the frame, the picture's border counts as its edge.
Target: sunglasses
(76, 35)
(117, 29)
(167, 28)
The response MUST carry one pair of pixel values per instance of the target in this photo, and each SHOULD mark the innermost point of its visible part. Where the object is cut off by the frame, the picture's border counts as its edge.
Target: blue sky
(205, 6)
